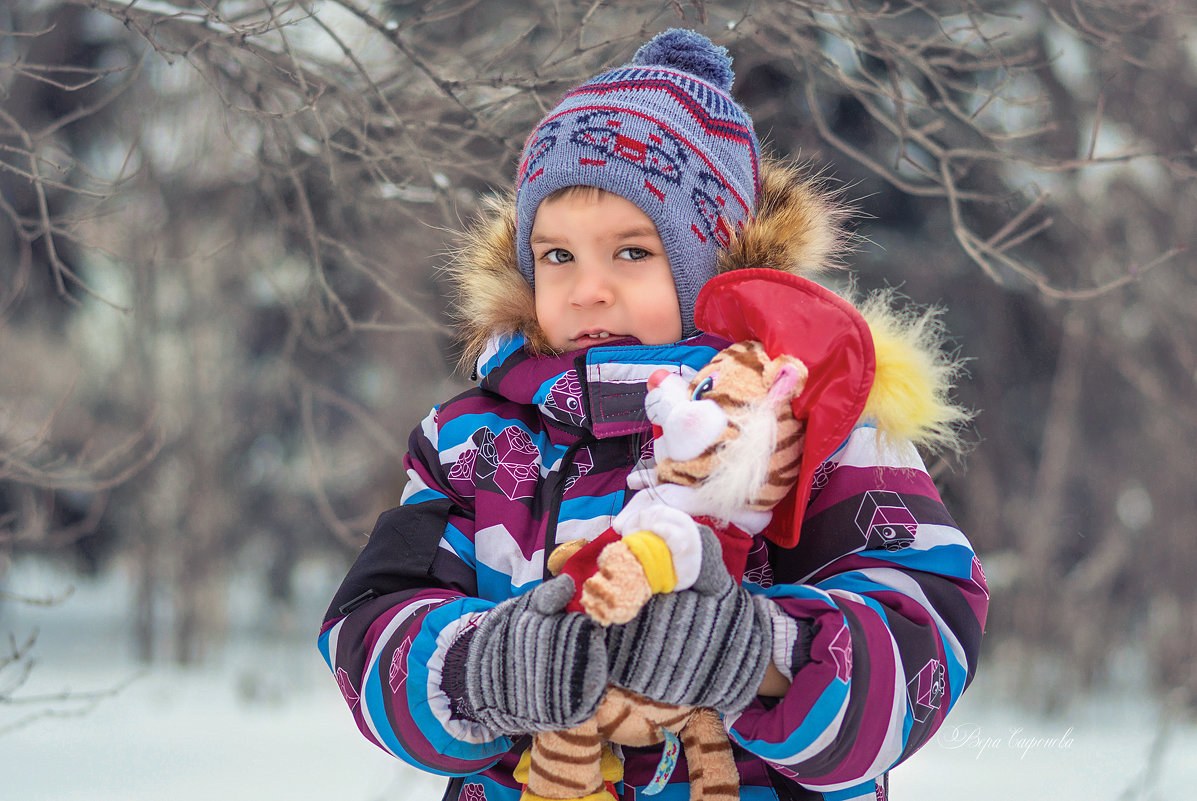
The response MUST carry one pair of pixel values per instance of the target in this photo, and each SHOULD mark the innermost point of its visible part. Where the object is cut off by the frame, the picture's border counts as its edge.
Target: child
(839, 657)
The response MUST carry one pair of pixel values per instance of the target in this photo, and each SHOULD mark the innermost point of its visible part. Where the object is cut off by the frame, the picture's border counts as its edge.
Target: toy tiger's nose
(657, 377)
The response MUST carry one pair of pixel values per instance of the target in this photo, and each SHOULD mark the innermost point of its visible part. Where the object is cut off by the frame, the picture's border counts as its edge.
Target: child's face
(601, 273)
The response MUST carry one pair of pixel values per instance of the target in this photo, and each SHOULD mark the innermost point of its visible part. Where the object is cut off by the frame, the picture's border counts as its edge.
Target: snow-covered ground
(262, 720)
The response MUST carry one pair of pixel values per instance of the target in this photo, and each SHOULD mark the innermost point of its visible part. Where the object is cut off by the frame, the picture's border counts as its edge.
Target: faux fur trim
(797, 228)
(490, 296)
(798, 225)
(911, 398)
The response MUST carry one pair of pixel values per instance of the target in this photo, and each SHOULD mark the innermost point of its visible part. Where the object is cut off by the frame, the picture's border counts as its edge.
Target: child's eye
(558, 256)
(634, 254)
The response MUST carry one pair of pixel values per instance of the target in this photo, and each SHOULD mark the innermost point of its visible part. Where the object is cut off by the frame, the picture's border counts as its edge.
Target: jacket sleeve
(878, 618)
(406, 598)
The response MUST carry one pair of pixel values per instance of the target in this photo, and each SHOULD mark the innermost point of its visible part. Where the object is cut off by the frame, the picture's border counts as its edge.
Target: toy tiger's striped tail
(576, 765)
(713, 775)
(573, 764)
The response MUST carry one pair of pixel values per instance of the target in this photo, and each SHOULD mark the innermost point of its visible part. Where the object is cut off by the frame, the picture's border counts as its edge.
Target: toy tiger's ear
(784, 376)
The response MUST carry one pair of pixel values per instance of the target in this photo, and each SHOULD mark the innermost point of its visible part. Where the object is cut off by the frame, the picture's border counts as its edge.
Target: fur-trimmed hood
(798, 229)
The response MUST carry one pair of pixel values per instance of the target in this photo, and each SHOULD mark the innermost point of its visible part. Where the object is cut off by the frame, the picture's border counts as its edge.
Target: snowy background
(262, 720)
(220, 315)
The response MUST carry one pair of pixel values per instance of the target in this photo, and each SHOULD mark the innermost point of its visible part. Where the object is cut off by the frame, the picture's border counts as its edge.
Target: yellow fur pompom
(911, 395)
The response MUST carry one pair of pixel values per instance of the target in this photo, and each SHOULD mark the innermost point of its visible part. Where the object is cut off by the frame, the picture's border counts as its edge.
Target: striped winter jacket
(539, 454)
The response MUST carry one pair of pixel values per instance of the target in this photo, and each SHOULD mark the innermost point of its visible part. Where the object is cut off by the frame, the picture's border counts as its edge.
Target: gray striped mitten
(706, 646)
(530, 666)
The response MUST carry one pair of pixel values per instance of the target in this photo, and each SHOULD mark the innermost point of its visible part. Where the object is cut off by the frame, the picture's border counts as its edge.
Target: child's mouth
(595, 335)
(588, 338)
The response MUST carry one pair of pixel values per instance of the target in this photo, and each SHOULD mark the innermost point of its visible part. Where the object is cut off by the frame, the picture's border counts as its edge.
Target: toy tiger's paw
(619, 589)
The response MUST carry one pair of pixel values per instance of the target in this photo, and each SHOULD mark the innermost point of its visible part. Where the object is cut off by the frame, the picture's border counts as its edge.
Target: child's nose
(592, 285)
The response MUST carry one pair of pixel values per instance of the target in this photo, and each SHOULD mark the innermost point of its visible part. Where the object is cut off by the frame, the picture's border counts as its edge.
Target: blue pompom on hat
(663, 132)
(690, 52)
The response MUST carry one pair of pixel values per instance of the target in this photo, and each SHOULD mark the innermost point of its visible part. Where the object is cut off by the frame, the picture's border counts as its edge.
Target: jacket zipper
(550, 530)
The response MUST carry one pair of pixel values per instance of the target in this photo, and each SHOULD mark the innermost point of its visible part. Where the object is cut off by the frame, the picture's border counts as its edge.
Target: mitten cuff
(791, 642)
(453, 676)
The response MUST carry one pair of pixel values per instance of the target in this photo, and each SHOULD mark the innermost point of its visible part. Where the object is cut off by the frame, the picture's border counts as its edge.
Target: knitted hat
(664, 133)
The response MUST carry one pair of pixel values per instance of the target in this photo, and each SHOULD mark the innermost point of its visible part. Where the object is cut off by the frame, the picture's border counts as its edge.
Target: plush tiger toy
(737, 410)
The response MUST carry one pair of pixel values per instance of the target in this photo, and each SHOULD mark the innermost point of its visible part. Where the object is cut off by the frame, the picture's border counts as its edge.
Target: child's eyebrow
(629, 233)
(642, 230)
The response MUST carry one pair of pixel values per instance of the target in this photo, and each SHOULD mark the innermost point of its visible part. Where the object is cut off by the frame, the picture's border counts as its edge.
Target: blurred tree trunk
(1041, 531)
(199, 553)
(146, 537)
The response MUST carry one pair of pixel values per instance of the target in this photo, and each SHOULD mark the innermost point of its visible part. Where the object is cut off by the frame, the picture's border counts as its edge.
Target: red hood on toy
(795, 316)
